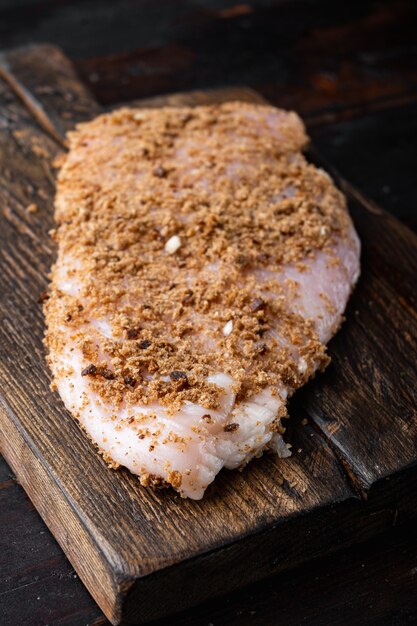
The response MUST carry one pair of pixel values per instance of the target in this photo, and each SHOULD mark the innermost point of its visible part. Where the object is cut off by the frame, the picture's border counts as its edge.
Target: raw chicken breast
(202, 266)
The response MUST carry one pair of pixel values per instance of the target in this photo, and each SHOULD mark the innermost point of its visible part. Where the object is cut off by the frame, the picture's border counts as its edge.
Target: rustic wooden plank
(380, 574)
(27, 180)
(159, 540)
(279, 48)
(388, 504)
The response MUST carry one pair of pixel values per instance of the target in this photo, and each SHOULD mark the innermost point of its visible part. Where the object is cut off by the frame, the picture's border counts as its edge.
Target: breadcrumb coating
(179, 247)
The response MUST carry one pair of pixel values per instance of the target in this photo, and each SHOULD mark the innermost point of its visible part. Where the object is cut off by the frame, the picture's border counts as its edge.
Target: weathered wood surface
(55, 100)
(115, 532)
(326, 59)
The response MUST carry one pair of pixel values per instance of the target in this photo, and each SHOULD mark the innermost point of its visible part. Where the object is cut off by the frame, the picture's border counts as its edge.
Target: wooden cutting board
(143, 554)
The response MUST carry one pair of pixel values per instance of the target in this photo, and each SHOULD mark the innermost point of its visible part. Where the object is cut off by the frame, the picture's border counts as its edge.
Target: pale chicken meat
(203, 264)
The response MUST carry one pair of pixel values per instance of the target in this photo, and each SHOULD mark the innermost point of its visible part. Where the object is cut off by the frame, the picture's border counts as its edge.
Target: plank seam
(357, 486)
(31, 103)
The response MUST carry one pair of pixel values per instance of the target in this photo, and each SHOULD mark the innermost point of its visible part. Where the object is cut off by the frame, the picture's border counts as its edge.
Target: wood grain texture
(327, 59)
(330, 61)
(135, 549)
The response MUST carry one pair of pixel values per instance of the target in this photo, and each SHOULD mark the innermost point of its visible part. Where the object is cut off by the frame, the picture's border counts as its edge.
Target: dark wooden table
(351, 72)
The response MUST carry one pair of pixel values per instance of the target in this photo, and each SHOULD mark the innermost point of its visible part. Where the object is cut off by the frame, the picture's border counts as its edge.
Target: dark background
(350, 69)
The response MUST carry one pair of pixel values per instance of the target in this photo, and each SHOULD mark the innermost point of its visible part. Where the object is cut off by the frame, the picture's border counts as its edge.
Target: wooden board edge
(98, 574)
(254, 558)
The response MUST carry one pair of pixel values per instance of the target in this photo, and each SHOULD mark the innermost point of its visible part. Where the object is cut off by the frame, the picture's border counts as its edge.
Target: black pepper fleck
(129, 380)
(107, 374)
(188, 298)
(178, 375)
(160, 171)
(258, 304)
(90, 370)
(179, 378)
(230, 428)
